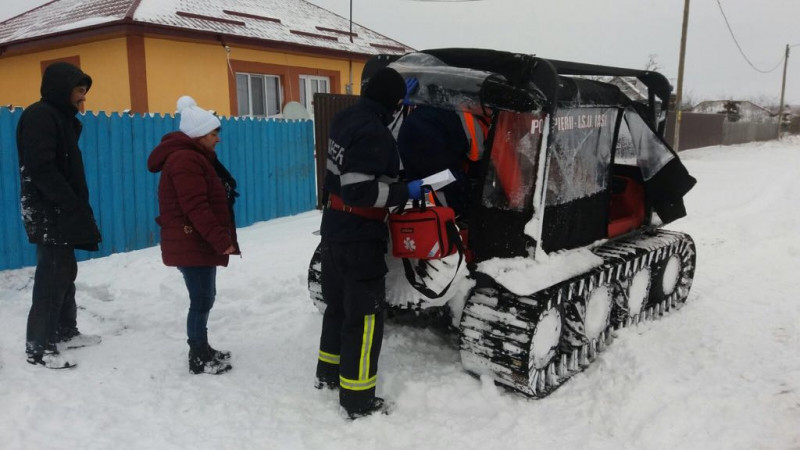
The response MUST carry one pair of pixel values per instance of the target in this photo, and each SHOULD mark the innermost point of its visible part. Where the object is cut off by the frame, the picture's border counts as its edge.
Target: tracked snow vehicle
(564, 239)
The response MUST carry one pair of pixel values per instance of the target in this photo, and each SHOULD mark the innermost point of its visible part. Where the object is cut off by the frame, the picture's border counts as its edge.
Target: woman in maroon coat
(198, 232)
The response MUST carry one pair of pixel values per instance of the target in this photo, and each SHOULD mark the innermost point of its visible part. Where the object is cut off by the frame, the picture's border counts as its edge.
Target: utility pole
(679, 95)
(349, 88)
(783, 90)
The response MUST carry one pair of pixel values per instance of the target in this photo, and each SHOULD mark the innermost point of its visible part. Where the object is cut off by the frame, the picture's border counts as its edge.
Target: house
(637, 91)
(631, 87)
(791, 118)
(736, 110)
(237, 57)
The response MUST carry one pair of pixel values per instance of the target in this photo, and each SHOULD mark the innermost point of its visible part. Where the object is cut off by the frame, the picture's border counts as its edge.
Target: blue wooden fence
(272, 160)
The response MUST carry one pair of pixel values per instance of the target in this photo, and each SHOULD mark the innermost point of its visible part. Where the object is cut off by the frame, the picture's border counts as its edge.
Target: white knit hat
(195, 121)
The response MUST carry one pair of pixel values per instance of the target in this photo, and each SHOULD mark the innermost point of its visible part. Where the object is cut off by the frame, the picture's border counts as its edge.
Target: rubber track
(315, 279)
(497, 325)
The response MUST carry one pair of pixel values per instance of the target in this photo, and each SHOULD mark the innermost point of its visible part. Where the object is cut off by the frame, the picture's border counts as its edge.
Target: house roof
(631, 87)
(718, 106)
(296, 22)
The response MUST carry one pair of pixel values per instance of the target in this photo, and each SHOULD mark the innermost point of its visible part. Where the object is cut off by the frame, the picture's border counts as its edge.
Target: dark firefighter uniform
(361, 182)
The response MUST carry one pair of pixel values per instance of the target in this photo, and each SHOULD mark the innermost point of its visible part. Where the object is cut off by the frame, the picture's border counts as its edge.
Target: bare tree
(765, 101)
(688, 101)
(652, 63)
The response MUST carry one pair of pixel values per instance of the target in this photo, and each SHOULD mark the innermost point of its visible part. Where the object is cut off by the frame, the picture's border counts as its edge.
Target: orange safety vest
(471, 125)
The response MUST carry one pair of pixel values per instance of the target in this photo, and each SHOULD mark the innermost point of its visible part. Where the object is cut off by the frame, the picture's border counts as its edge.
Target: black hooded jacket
(362, 168)
(53, 192)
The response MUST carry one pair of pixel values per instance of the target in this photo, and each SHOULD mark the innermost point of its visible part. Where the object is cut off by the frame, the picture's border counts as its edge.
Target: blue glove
(411, 85)
(415, 191)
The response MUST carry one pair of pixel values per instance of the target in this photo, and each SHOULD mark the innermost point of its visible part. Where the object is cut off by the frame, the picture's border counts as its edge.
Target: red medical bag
(422, 232)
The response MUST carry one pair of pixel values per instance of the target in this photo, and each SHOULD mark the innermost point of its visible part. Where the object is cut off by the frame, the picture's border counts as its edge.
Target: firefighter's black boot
(372, 406)
(327, 376)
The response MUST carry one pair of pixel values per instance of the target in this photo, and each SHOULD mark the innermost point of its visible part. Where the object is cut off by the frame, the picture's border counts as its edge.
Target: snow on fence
(272, 161)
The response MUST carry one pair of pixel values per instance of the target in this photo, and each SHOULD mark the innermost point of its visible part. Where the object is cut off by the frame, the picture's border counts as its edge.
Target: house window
(258, 95)
(74, 60)
(310, 85)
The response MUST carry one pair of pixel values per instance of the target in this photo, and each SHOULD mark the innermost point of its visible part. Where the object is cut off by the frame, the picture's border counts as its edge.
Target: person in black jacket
(55, 211)
(431, 140)
(361, 182)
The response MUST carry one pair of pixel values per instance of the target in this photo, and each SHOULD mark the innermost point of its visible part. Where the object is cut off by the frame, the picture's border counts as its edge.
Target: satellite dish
(294, 110)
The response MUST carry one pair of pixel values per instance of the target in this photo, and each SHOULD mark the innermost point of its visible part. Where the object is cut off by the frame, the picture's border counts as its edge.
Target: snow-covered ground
(722, 373)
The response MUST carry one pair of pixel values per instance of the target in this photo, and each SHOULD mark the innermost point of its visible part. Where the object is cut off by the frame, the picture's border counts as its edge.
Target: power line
(740, 47)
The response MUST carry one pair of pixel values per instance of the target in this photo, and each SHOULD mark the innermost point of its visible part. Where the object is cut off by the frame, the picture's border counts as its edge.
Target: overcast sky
(610, 32)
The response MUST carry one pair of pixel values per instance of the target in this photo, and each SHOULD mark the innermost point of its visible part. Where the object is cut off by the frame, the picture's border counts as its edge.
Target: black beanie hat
(386, 87)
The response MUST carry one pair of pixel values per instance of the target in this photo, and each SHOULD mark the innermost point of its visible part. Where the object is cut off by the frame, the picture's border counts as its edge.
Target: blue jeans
(202, 286)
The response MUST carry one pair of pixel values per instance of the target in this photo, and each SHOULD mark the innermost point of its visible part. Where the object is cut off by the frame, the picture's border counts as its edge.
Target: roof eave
(127, 26)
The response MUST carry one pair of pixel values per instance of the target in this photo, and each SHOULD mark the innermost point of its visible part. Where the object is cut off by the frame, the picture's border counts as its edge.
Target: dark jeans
(201, 282)
(53, 307)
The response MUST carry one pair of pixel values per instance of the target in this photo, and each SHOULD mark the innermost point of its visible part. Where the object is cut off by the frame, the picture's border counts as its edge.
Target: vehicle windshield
(442, 86)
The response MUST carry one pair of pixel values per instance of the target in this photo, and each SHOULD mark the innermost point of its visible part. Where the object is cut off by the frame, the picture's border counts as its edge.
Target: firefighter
(361, 182)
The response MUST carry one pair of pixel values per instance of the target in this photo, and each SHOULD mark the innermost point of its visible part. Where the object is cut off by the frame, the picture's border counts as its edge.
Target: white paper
(439, 180)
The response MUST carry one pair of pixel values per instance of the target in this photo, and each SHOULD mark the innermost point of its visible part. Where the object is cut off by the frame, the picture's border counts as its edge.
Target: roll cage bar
(537, 82)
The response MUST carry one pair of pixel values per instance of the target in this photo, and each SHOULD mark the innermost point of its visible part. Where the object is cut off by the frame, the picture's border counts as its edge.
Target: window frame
(268, 102)
(305, 85)
(289, 79)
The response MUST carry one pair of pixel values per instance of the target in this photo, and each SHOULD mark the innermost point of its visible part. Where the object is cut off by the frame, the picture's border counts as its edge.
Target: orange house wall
(185, 68)
(176, 68)
(105, 61)
(173, 68)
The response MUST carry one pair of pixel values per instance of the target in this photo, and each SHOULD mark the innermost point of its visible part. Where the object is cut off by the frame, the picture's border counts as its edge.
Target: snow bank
(722, 373)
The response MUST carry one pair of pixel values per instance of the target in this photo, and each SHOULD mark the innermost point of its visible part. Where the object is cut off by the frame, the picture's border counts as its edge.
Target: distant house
(237, 57)
(789, 111)
(736, 110)
(631, 87)
(791, 118)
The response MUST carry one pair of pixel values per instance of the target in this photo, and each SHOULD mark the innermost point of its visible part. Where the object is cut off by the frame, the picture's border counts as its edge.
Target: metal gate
(325, 107)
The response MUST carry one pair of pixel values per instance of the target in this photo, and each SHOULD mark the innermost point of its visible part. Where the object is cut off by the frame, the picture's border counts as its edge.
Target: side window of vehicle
(580, 154)
(511, 176)
(650, 151)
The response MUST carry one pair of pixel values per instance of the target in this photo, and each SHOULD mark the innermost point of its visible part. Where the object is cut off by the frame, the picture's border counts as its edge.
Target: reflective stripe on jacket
(475, 130)
(362, 168)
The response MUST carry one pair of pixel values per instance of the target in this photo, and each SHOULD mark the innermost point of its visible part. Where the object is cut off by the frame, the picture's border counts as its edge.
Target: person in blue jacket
(361, 182)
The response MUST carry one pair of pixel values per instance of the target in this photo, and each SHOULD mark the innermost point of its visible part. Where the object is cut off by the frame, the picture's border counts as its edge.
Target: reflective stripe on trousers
(364, 381)
(329, 358)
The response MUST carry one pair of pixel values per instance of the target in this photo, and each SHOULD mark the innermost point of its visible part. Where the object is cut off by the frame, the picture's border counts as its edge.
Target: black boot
(219, 355)
(201, 360)
(322, 383)
(373, 405)
(327, 376)
(51, 359)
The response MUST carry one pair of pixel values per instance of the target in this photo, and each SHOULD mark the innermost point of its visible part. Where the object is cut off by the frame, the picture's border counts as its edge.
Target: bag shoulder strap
(455, 239)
